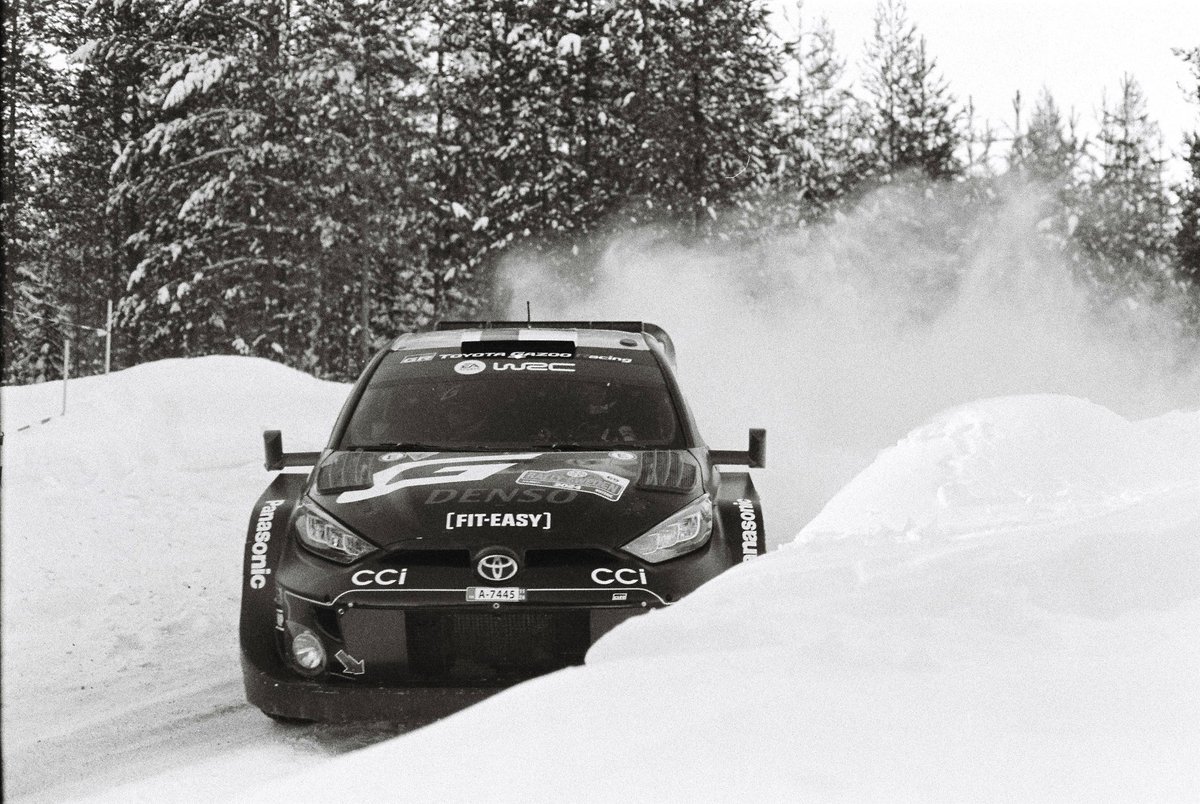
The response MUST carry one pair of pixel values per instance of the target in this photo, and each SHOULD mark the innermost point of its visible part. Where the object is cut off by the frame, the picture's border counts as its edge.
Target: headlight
(682, 532)
(319, 533)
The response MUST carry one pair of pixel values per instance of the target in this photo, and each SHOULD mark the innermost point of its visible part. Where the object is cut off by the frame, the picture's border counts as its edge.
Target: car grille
(427, 558)
(566, 557)
(485, 646)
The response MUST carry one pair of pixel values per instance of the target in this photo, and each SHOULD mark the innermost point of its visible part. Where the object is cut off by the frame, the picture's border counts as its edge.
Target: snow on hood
(1004, 605)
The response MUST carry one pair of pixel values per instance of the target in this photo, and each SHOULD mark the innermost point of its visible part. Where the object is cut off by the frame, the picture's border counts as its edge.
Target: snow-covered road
(1006, 604)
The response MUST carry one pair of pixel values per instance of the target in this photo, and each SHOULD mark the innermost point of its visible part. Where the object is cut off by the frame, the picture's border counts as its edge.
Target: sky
(1078, 49)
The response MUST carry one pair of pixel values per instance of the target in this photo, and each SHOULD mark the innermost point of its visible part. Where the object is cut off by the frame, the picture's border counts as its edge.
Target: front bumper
(402, 638)
(281, 693)
(411, 664)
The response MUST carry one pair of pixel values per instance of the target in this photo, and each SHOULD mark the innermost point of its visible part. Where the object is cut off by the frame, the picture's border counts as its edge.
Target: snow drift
(122, 536)
(1005, 604)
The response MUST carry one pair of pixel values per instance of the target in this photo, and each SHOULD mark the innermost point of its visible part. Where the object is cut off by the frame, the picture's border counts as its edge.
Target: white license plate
(487, 594)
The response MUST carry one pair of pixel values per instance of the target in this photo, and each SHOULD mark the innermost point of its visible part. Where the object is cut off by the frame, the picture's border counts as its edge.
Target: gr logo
(434, 472)
(626, 576)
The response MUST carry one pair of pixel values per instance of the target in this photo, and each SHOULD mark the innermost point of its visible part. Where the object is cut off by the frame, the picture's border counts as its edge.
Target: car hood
(450, 500)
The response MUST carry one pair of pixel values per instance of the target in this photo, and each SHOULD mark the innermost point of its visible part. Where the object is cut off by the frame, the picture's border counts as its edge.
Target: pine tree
(29, 299)
(1125, 225)
(702, 109)
(1187, 237)
(1052, 158)
(58, 250)
(275, 189)
(912, 122)
(818, 159)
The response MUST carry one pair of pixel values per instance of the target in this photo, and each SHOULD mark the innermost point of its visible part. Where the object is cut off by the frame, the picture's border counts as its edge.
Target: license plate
(488, 594)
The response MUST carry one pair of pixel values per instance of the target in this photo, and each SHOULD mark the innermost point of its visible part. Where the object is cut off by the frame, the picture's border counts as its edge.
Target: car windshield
(446, 401)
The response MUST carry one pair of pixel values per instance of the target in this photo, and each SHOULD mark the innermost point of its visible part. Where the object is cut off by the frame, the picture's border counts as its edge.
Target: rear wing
(652, 330)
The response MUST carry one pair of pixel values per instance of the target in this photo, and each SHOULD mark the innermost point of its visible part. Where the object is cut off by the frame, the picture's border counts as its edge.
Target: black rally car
(495, 496)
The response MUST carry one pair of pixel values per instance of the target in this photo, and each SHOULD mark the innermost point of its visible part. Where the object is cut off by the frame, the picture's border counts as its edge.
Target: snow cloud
(839, 339)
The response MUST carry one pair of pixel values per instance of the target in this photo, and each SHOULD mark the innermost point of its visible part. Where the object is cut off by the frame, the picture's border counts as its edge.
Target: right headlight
(686, 530)
(320, 533)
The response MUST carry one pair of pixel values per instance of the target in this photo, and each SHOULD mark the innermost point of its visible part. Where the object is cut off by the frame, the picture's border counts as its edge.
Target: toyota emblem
(496, 567)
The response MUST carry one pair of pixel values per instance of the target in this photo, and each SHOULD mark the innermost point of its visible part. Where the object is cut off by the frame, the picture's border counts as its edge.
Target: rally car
(495, 496)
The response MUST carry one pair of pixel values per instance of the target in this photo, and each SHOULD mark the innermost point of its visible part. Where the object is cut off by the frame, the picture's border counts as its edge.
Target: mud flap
(741, 516)
(265, 541)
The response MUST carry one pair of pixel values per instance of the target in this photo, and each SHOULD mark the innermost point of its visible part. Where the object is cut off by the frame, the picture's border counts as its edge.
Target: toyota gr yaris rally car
(494, 497)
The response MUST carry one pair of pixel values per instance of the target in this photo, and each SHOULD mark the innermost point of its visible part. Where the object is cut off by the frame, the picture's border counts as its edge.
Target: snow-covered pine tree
(701, 110)
(1052, 161)
(273, 188)
(68, 102)
(912, 123)
(524, 111)
(360, 123)
(30, 298)
(818, 156)
(202, 245)
(1187, 237)
(1125, 225)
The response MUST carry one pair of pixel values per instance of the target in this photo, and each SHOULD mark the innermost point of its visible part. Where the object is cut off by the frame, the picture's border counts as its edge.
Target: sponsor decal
(258, 548)
(510, 355)
(448, 470)
(622, 456)
(620, 596)
(470, 367)
(350, 665)
(279, 620)
(456, 521)
(476, 366)
(749, 529)
(611, 358)
(496, 567)
(588, 481)
(417, 359)
(392, 457)
(554, 497)
(534, 366)
(626, 576)
(383, 577)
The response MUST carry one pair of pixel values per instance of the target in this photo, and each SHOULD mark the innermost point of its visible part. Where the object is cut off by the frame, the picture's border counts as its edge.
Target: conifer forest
(302, 179)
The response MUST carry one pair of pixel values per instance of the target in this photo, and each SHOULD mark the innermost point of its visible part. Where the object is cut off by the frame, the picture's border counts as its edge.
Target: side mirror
(758, 448)
(276, 458)
(755, 455)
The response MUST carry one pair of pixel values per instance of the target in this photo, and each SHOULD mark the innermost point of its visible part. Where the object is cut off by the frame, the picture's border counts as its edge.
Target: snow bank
(123, 524)
(1015, 460)
(1005, 605)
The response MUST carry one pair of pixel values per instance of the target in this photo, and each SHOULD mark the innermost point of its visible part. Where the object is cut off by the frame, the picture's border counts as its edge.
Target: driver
(465, 413)
(601, 417)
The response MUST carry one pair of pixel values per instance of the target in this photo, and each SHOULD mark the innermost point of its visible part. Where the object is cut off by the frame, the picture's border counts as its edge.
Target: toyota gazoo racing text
(494, 497)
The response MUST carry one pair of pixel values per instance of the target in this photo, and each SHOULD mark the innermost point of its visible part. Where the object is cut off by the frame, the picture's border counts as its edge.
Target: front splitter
(291, 697)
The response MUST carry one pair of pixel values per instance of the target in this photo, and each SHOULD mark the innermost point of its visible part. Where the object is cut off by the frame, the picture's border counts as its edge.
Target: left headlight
(684, 531)
(321, 534)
